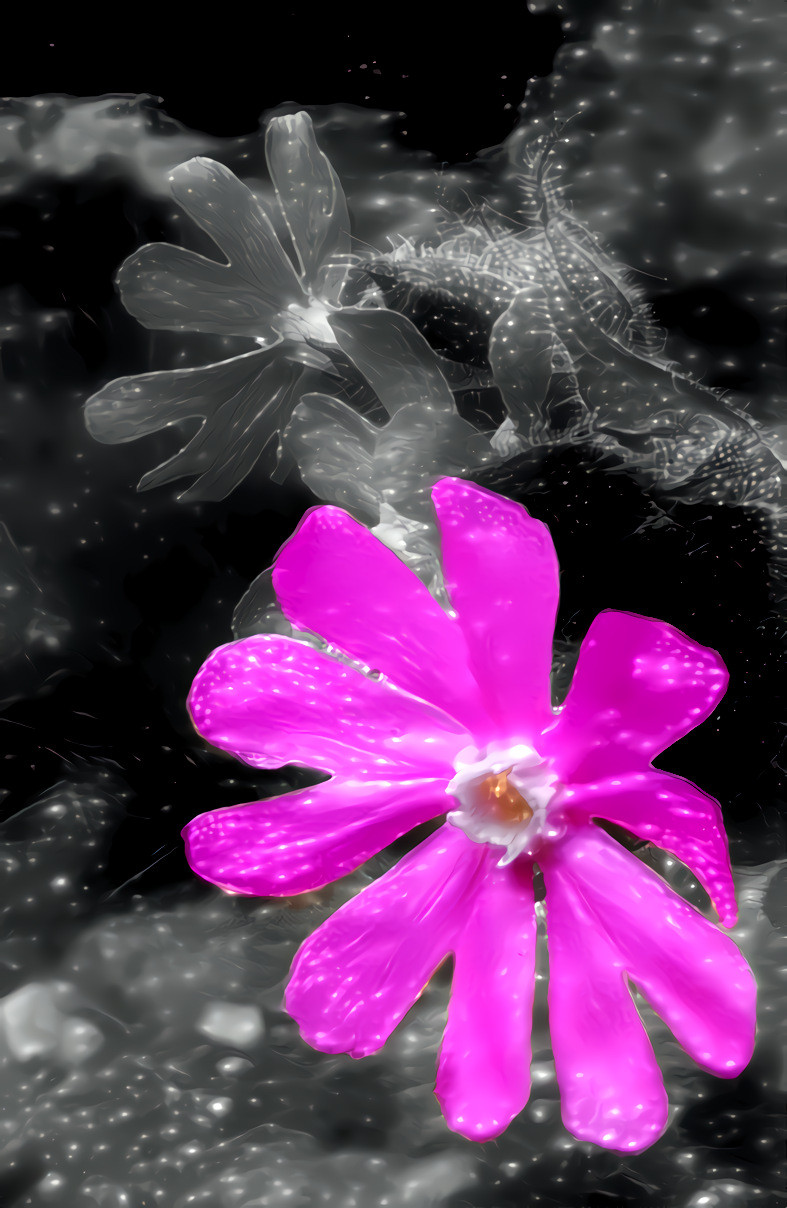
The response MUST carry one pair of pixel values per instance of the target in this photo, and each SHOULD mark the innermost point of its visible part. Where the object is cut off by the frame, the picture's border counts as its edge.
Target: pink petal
(611, 1091)
(336, 579)
(271, 700)
(483, 1075)
(691, 973)
(501, 572)
(303, 840)
(673, 814)
(639, 686)
(355, 978)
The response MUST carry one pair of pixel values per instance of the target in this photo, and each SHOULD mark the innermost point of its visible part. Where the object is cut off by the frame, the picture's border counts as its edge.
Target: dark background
(451, 75)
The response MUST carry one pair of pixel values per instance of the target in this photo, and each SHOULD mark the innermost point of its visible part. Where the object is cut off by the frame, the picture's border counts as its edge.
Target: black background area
(458, 78)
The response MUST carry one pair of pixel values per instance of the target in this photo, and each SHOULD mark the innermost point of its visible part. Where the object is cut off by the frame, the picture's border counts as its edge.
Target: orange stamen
(506, 801)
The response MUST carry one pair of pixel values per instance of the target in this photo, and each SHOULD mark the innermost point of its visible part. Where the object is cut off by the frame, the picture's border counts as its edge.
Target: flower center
(506, 802)
(503, 797)
(309, 322)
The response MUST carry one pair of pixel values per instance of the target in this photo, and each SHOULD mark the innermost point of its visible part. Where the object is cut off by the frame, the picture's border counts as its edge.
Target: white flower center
(308, 322)
(503, 798)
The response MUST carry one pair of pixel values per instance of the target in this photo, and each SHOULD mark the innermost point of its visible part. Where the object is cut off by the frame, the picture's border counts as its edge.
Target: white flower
(256, 293)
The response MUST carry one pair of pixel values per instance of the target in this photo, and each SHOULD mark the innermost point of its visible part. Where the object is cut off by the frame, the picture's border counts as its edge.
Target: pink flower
(459, 704)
